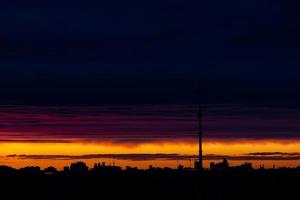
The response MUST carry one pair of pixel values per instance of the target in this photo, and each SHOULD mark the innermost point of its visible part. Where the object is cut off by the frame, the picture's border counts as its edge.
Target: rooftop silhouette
(77, 182)
(80, 168)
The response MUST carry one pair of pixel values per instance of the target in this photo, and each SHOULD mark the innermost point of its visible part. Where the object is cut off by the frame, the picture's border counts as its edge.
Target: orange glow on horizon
(219, 147)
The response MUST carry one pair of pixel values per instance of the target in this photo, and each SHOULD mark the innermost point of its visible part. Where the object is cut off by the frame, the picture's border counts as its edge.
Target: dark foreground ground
(179, 185)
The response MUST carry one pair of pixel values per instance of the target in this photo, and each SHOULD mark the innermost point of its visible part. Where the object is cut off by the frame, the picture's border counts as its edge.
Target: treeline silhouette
(221, 182)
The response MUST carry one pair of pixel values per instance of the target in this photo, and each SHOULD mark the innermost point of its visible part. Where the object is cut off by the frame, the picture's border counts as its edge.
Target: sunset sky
(119, 81)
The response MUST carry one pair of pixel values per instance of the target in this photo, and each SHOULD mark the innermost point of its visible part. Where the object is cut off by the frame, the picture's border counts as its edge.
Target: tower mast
(200, 136)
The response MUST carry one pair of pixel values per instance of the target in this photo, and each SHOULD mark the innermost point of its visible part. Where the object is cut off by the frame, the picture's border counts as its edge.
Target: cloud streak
(144, 157)
(140, 124)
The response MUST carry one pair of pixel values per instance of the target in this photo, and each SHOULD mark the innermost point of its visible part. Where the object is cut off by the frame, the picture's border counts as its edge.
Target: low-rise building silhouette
(50, 170)
(79, 168)
(102, 168)
(224, 165)
(6, 170)
(30, 170)
(245, 167)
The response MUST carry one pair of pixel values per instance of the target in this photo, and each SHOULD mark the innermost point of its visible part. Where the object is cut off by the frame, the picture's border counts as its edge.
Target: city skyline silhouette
(150, 99)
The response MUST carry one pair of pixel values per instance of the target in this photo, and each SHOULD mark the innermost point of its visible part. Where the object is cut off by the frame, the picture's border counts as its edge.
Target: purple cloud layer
(145, 123)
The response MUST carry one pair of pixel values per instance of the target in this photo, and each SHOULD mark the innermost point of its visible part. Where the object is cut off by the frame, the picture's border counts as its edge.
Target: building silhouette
(102, 168)
(79, 168)
(222, 166)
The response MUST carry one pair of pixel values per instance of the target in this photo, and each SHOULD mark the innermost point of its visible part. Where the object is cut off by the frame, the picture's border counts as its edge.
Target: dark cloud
(274, 153)
(143, 157)
(95, 52)
(134, 31)
(146, 123)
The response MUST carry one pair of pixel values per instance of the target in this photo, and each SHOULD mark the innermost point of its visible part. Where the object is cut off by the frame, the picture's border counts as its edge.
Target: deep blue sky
(149, 51)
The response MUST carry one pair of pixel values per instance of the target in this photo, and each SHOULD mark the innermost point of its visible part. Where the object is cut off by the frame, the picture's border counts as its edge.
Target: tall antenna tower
(200, 133)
